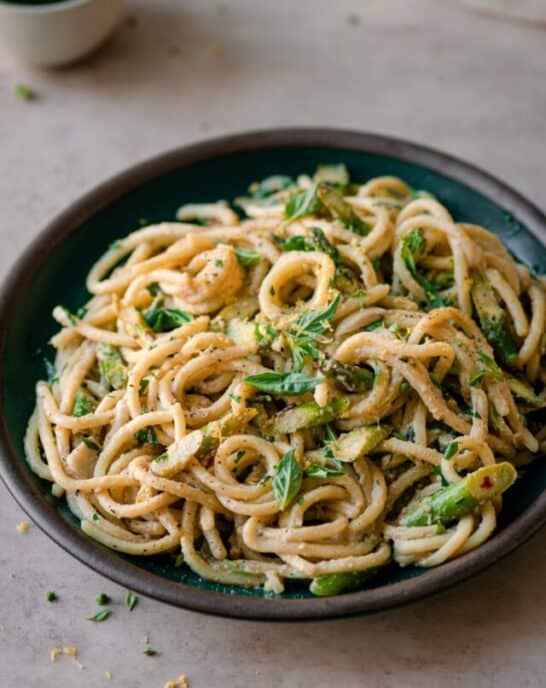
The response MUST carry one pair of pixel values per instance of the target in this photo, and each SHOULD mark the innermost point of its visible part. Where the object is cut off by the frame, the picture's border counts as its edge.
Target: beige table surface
(431, 71)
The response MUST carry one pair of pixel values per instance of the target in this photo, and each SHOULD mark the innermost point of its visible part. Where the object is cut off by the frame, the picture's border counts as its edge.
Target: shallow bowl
(52, 270)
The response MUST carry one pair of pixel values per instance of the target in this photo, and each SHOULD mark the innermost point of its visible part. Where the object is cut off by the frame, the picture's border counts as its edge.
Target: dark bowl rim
(21, 486)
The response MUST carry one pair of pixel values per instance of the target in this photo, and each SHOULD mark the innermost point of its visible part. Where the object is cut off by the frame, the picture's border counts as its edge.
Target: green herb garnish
(89, 442)
(102, 615)
(131, 600)
(161, 319)
(146, 435)
(82, 405)
(316, 470)
(451, 450)
(287, 479)
(23, 92)
(246, 257)
(306, 332)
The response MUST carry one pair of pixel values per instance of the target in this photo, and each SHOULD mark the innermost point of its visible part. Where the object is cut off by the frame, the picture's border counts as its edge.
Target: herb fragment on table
(101, 615)
(131, 600)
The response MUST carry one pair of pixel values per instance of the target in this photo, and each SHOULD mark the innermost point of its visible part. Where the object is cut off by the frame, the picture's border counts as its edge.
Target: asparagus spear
(200, 443)
(492, 319)
(309, 415)
(460, 498)
(335, 583)
(334, 202)
(111, 365)
(358, 442)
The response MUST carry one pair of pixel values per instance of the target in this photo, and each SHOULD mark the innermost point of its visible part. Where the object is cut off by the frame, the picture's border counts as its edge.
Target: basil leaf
(315, 322)
(302, 203)
(286, 384)
(295, 243)
(287, 479)
(165, 319)
(111, 365)
(315, 470)
(246, 257)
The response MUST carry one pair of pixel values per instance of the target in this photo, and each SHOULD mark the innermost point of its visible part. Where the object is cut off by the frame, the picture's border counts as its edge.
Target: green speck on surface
(23, 92)
(131, 600)
(102, 615)
(51, 596)
(102, 599)
(353, 19)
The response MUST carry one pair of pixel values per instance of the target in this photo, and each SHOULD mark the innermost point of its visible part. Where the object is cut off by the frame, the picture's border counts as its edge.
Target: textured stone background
(431, 71)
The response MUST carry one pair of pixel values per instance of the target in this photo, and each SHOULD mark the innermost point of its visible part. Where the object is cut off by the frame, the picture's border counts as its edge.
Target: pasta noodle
(343, 378)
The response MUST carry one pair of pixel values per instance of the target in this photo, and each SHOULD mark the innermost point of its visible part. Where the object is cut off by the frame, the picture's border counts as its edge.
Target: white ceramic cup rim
(56, 6)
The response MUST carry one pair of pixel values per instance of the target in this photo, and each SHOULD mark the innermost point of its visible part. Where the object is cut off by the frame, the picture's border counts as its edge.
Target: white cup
(58, 33)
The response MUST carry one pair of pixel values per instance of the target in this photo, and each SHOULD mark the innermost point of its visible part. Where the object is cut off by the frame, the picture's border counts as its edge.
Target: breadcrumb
(69, 651)
(180, 682)
(22, 526)
(108, 674)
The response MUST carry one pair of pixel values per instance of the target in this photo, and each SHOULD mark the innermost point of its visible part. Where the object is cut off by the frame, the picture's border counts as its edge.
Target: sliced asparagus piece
(492, 319)
(336, 583)
(358, 442)
(524, 391)
(309, 415)
(111, 365)
(351, 378)
(229, 425)
(199, 443)
(460, 498)
(243, 333)
(336, 205)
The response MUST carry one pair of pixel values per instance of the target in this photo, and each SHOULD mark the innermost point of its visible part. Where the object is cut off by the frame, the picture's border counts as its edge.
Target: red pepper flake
(486, 483)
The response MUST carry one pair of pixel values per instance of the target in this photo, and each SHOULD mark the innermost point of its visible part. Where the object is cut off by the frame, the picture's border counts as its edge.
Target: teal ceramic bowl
(52, 271)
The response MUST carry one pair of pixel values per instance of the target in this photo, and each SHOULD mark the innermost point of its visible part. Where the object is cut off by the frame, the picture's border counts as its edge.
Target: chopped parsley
(82, 405)
(146, 435)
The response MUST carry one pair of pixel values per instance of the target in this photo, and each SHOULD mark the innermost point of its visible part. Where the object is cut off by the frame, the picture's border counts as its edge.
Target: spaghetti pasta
(345, 377)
